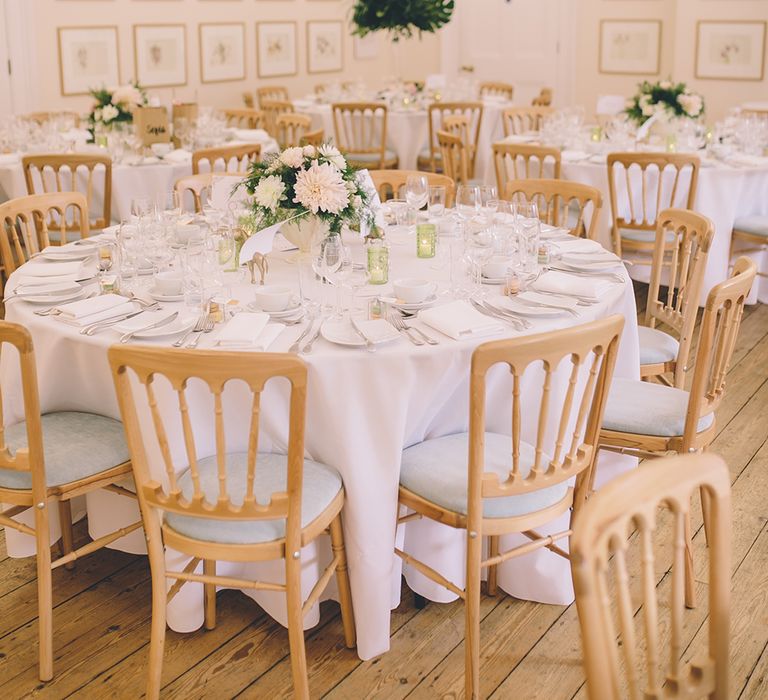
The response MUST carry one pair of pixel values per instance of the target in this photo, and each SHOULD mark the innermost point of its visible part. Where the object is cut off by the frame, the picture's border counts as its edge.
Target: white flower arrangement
(307, 181)
(115, 105)
(665, 99)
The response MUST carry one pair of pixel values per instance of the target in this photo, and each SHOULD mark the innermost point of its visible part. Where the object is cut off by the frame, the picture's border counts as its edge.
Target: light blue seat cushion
(645, 408)
(370, 157)
(321, 485)
(75, 446)
(756, 225)
(437, 470)
(644, 236)
(656, 346)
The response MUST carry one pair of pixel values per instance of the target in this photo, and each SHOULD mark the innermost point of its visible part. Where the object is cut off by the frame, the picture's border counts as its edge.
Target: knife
(107, 322)
(369, 346)
(157, 324)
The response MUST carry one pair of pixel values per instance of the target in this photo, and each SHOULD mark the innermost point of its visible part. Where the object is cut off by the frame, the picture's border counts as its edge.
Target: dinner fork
(514, 322)
(399, 326)
(399, 322)
(197, 328)
(207, 328)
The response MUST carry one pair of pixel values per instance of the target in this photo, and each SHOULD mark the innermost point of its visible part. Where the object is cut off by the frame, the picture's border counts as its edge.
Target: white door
(523, 42)
(6, 94)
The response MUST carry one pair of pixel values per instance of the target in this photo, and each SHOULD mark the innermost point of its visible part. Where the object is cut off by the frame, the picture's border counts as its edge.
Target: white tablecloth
(724, 193)
(362, 410)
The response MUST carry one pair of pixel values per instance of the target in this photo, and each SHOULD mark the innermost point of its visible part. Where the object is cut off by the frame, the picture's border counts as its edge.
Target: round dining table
(363, 409)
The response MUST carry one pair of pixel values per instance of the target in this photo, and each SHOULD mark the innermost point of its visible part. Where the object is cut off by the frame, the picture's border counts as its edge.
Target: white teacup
(161, 149)
(496, 267)
(413, 290)
(273, 298)
(168, 283)
(188, 232)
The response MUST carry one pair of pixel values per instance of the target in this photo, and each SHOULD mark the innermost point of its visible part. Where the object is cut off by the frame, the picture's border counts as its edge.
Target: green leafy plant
(401, 17)
(664, 97)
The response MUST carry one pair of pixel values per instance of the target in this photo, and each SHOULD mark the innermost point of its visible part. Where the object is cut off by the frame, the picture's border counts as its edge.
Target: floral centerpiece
(400, 18)
(664, 99)
(313, 190)
(114, 106)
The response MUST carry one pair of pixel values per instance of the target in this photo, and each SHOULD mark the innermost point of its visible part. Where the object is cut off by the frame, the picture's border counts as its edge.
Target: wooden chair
(517, 161)
(244, 118)
(272, 93)
(751, 231)
(560, 203)
(361, 134)
(43, 117)
(543, 99)
(429, 159)
(683, 239)
(496, 89)
(51, 458)
(619, 525)
(242, 156)
(640, 188)
(291, 128)
(26, 224)
(273, 109)
(248, 100)
(223, 507)
(454, 156)
(390, 183)
(56, 172)
(197, 186)
(490, 484)
(648, 420)
(522, 120)
(313, 138)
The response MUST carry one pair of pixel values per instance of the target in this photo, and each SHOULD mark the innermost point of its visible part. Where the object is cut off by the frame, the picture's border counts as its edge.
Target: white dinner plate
(67, 254)
(520, 307)
(157, 296)
(342, 333)
(56, 298)
(179, 325)
(584, 266)
(493, 280)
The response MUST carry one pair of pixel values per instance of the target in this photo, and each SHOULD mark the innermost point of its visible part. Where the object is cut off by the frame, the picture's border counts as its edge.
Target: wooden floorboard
(102, 610)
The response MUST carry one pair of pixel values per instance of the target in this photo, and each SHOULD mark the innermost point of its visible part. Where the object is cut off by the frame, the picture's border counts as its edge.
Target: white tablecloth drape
(363, 409)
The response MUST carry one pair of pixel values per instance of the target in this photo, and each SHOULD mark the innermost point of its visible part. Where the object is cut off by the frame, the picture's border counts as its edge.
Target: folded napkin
(127, 307)
(251, 135)
(570, 156)
(34, 290)
(48, 269)
(178, 155)
(86, 307)
(572, 285)
(546, 300)
(376, 329)
(142, 320)
(458, 319)
(574, 244)
(10, 158)
(249, 330)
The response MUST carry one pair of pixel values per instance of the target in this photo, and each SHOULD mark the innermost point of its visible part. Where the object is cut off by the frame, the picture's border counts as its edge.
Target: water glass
(467, 202)
(142, 207)
(416, 191)
(528, 229)
(436, 201)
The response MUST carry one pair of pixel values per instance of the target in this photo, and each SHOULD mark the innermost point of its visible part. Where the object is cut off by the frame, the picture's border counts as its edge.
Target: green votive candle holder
(426, 240)
(378, 262)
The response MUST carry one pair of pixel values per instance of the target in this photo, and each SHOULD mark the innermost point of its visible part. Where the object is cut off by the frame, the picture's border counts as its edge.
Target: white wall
(417, 57)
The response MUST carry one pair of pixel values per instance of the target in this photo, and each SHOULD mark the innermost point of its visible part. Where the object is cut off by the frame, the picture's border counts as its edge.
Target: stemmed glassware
(436, 201)
(416, 191)
(467, 203)
(528, 229)
(327, 257)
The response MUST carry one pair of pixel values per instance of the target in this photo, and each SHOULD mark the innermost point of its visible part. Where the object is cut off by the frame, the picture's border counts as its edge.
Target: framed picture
(730, 50)
(160, 54)
(366, 47)
(325, 46)
(222, 52)
(630, 46)
(276, 50)
(88, 58)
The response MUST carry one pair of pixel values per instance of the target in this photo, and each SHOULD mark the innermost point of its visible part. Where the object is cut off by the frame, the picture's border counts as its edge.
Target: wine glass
(168, 206)
(467, 203)
(528, 229)
(416, 191)
(489, 202)
(327, 257)
(142, 207)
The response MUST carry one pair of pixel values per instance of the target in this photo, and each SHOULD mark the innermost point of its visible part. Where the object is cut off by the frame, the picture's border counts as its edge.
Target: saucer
(157, 296)
(293, 307)
(493, 280)
(403, 306)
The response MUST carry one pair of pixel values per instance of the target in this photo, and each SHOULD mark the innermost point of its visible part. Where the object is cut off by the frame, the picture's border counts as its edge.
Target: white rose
(310, 151)
(97, 114)
(293, 157)
(665, 85)
(109, 112)
(269, 192)
(126, 94)
(648, 110)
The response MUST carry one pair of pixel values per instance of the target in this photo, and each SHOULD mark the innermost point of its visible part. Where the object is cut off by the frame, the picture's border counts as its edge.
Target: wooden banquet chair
(27, 221)
(454, 157)
(490, 484)
(51, 458)
(272, 93)
(543, 99)
(521, 120)
(430, 158)
(390, 183)
(647, 420)
(612, 547)
(683, 239)
(751, 231)
(515, 161)
(560, 203)
(56, 172)
(198, 187)
(290, 128)
(233, 158)
(313, 138)
(244, 118)
(496, 89)
(361, 134)
(244, 506)
(248, 100)
(273, 109)
(637, 201)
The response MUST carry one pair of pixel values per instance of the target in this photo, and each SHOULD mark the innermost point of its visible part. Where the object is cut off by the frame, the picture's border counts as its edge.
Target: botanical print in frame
(325, 46)
(222, 51)
(366, 47)
(630, 47)
(160, 54)
(730, 50)
(276, 52)
(88, 58)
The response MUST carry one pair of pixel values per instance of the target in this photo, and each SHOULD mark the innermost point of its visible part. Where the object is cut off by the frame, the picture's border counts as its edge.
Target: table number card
(152, 125)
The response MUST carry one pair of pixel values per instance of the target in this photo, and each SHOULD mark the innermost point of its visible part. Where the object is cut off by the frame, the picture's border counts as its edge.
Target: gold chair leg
(209, 601)
(67, 538)
(472, 619)
(159, 600)
(342, 582)
(296, 627)
(493, 570)
(44, 593)
(690, 584)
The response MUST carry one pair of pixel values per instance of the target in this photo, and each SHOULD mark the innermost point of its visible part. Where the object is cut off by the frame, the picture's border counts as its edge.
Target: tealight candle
(596, 133)
(378, 262)
(426, 240)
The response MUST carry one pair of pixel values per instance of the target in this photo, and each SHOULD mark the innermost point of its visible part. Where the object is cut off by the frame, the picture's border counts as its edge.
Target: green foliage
(676, 99)
(401, 17)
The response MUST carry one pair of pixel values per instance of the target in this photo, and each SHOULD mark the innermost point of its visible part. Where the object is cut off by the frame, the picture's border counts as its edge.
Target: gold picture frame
(164, 63)
(629, 47)
(75, 76)
(224, 63)
(277, 48)
(717, 64)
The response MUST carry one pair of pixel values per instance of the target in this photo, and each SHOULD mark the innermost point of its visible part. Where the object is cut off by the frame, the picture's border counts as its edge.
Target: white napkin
(126, 307)
(29, 290)
(458, 319)
(10, 158)
(376, 329)
(178, 155)
(572, 285)
(143, 320)
(536, 298)
(48, 269)
(86, 307)
(251, 135)
(574, 244)
(249, 330)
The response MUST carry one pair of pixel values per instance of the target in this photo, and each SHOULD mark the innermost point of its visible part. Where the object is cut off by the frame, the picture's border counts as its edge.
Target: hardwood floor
(102, 611)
